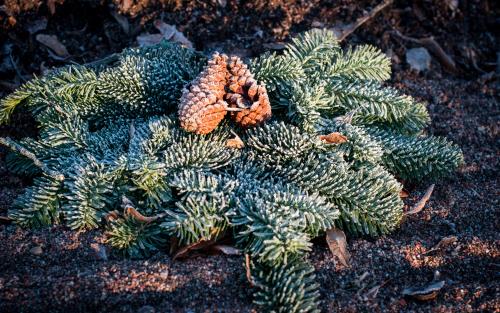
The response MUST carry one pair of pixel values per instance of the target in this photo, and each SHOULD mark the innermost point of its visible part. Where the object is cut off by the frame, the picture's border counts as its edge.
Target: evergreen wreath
(111, 153)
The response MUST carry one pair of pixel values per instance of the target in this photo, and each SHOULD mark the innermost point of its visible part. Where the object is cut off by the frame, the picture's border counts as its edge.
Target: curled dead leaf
(421, 203)
(171, 33)
(334, 138)
(52, 42)
(425, 293)
(129, 210)
(337, 242)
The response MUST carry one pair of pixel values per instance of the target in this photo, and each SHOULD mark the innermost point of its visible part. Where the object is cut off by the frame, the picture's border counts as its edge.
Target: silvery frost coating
(113, 153)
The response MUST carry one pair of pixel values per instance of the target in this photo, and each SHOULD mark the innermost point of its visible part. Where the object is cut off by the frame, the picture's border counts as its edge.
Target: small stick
(421, 203)
(431, 44)
(249, 273)
(349, 29)
(6, 141)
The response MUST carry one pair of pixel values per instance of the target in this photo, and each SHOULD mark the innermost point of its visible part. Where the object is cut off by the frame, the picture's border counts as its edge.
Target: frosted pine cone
(247, 95)
(202, 107)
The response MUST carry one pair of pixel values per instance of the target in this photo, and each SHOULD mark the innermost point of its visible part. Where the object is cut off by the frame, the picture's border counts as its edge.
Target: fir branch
(365, 62)
(416, 158)
(39, 205)
(287, 288)
(14, 146)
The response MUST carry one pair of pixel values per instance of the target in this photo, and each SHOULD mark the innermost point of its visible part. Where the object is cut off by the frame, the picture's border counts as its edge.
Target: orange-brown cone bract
(244, 93)
(202, 107)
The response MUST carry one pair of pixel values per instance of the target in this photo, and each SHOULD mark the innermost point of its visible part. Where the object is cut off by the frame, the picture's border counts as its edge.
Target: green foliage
(39, 205)
(134, 238)
(288, 288)
(107, 134)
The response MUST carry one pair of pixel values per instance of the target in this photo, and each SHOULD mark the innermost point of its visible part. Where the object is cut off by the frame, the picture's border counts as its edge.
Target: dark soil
(68, 276)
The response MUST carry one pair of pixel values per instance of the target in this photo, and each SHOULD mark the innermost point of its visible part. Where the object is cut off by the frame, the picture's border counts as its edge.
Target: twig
(247, 267)
(349, 29)
(431, 44)
(421, 203)
(6, 141)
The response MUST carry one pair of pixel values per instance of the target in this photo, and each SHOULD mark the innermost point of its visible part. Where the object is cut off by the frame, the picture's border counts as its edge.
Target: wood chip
(337, 243)
(248, 270)
(52, 42)
(37, 250)
(421, 203)
(334, 138)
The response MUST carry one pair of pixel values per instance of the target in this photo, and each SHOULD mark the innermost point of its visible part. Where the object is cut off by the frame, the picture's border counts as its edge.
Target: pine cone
(247, 95)
(202, 107)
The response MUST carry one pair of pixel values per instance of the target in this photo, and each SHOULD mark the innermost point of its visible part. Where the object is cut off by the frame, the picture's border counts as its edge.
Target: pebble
(146, 309)
(37, 250)
(419, 59)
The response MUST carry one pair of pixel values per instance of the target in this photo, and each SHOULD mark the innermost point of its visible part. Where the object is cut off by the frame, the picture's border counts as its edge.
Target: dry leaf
(333, 138)
(100, 251)
(421, 203)
(403, 194)
(228, 250)
(53, 43)
(122, 21)
(147, 40)
(111, 216)
(443, 243)
(37, 25)
(236, 143)
(337, 243)
(184, 251)
(171, 33)
(131, 211)
(425, 293)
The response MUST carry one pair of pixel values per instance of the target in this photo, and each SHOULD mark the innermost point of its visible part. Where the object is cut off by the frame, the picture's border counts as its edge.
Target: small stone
(36, 250)
(419, 59)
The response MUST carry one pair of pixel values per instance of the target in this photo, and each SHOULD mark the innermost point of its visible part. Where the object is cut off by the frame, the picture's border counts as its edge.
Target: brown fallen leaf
(421, 203)
(184, 251)
(335, 138)
(171, 33)
(227, 250)
(403, 194)
(443, 243)
(337, 243)
(146, 40)
(52, 42)
(129, 210)
(100, 251)
(425, 293)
